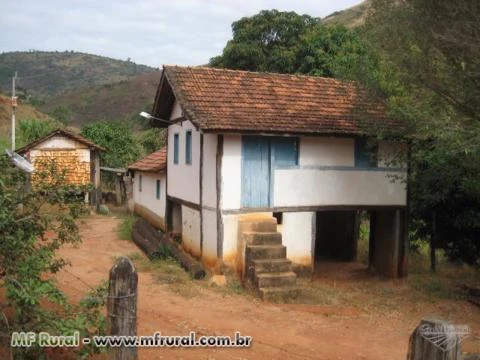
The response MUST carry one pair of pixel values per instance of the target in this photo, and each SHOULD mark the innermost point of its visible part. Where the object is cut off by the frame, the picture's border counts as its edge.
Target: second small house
(75, 156)
(149, 187)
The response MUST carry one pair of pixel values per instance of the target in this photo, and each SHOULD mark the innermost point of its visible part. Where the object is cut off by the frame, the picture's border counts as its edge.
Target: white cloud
(152, 32)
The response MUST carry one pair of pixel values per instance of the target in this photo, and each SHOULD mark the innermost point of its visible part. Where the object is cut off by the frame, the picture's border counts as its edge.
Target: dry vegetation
(121, 101)
(351, 17)
(24, 111)
(43, 73)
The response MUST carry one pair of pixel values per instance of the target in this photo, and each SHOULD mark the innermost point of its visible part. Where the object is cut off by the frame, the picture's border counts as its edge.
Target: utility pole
(14, 106)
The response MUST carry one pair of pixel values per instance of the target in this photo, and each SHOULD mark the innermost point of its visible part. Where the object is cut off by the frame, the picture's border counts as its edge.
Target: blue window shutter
(365, 156)
(285, 151)
(175, 148)
(158, 189)
(188, 147)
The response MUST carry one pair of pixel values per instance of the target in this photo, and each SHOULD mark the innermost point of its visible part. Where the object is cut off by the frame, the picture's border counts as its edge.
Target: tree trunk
(433, 243)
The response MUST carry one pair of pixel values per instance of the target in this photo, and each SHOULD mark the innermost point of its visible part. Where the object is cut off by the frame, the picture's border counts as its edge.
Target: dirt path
(278, 331)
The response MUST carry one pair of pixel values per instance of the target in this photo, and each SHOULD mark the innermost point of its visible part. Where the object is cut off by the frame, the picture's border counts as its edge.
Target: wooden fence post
(435, 339)
(122, 306)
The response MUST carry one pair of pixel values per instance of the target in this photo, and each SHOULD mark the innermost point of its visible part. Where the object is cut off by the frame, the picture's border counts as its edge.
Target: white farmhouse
(283, 155)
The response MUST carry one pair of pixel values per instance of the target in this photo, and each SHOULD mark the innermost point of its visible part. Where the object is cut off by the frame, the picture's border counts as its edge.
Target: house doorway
(336, 235)
(261, 155)
(177, 218)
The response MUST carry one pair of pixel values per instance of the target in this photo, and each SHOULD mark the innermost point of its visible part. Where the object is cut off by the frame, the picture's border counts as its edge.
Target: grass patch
(363, 241)
(126, 226)
(169, 273)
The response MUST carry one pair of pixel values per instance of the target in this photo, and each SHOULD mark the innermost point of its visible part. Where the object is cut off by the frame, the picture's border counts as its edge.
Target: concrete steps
(268, 271)
(262, 238)
(266, 252)
(279, 294)
(272, 265)
(275, 279)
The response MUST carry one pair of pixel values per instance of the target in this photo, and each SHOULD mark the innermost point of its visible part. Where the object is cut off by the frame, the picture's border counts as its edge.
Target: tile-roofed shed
(220, 100)
(61, 132)
(154, 162)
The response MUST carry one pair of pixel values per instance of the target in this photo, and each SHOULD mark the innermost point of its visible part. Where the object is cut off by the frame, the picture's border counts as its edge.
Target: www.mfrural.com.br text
(44, 339)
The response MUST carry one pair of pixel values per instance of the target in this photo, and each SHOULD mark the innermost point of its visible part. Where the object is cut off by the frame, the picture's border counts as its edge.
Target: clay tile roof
(154, 162)
(232, 100)
(62, 132)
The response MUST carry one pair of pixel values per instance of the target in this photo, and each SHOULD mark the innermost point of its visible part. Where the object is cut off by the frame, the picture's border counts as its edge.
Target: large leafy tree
(428, 72)
(34, 224)
(267, 41)
(285, 42)
(118, 139)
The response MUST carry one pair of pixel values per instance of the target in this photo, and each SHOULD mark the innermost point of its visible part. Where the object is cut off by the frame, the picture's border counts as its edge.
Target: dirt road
(278, 331)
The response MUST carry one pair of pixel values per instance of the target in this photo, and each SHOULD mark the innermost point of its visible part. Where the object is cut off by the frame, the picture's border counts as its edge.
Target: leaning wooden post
(122, 306)
(436, 339)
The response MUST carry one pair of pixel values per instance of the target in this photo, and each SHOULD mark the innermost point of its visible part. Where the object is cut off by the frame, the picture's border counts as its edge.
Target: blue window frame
(365, 154)
(175, 148)
(188, 147)
(158, 190)
(285, 151)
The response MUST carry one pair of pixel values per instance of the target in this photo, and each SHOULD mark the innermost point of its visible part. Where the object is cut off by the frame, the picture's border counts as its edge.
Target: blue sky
(151, 32)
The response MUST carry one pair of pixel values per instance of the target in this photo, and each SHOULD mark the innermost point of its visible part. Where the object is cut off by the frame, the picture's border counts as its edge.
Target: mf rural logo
(444, 336)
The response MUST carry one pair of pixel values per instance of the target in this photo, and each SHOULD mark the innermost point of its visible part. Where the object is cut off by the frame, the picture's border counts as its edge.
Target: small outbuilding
(149, 187)
(72, 153)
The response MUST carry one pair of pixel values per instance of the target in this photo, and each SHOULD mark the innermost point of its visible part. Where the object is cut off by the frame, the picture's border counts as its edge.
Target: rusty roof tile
(154, 162)
(233, 100)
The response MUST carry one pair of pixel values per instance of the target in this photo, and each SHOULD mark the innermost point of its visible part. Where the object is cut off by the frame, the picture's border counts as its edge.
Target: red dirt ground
(288, 331)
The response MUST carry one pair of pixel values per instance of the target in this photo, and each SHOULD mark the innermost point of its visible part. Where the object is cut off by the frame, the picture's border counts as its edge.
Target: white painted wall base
(298, 232)
(209, 254)
(191, 231)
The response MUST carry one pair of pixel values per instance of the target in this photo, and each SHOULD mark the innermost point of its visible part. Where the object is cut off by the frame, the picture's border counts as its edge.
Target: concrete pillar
(388, 231)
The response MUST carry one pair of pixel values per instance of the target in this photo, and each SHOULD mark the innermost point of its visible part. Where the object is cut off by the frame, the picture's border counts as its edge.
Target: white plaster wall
(298, 232)
(176, 111)
(183, 179)
(304, 187)
(60, 142)
(230, 236)
(147, 197)
(232, 172)
(322, 151)
(83, 155)
(191, 230)
(209, 254)
(210, 170)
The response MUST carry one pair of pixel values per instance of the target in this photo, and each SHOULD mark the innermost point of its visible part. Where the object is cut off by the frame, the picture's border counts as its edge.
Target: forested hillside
(42, 73)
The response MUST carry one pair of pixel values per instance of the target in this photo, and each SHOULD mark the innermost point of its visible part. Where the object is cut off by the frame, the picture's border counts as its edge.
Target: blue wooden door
(255, 172)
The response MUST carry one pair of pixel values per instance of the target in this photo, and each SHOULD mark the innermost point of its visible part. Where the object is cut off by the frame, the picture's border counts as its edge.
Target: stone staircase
(267, 270)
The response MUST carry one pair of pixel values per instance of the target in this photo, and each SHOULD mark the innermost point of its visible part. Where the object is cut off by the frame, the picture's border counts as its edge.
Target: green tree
(267, 41)
(34, 224)
(330, 51)
(62, 113)
(29, 130)
(428, 75)
(122, 148)
(285, 42)
(152, 140)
